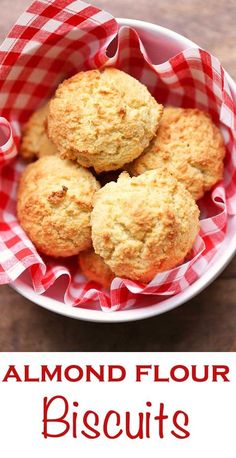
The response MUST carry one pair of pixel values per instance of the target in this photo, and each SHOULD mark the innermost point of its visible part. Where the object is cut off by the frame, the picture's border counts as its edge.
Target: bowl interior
(161, 44)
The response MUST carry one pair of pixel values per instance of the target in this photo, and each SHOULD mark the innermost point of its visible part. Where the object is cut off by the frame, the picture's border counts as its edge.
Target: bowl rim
(151, 26)
(170, 303)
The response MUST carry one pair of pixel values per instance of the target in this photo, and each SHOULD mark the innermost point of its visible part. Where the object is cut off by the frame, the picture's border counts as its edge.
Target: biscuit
(35, 142)
(144, 225)
(94, 268)
(102, 118)
(189, 146)
(54, 204)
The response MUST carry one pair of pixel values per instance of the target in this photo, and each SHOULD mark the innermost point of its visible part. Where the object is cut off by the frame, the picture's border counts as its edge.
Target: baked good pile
(147, 220)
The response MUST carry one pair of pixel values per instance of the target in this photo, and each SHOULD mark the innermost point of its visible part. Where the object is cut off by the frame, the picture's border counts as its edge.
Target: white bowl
(161, 44)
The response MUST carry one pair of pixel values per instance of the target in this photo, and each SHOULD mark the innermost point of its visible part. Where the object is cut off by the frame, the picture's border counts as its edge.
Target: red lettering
(77, 377)
(116, 378)
(95, 432)
(46, 374)
(46, 420)
(27, 375)
(128, 422)
(106, 423)
(91, 370)
(142, 370)
(184, 377)
(220, 371)
(157, 377)
(185, 432)
(161, 417)
(204, 377)
(148, 417)
(74, 420)
(12, 373)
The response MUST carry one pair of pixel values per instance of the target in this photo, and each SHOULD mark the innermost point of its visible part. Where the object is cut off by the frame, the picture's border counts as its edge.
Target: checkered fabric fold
(8, 150)
(53, 40)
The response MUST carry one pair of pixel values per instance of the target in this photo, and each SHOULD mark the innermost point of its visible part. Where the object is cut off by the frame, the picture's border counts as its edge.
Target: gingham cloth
(53, 40)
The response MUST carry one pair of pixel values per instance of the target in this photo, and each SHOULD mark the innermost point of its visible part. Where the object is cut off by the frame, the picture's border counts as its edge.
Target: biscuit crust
(189, 146)
(94, 268)
(35, 142)
(54, 204)
(144, 225)
(102, 118)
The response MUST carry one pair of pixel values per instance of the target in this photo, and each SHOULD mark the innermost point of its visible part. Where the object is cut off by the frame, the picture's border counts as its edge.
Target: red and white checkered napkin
(8, 148)
(55, 39)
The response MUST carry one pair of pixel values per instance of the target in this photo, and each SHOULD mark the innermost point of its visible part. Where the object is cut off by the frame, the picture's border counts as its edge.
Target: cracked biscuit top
(144, 225)
(54, 204)
(35, 142)
(102, 118)
(189, 146)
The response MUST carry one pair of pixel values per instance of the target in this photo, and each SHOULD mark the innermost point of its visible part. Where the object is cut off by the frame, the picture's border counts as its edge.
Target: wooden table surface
(206, 323)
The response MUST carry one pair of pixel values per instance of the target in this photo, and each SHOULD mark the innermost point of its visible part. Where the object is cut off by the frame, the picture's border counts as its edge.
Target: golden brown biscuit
(94, 268)
(35, 142)
(144, 225)
(189, 146)
(102, 118)
(54, 203)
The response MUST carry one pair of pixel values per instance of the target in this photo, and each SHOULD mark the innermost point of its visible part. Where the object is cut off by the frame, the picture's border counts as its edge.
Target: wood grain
(206, 323)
